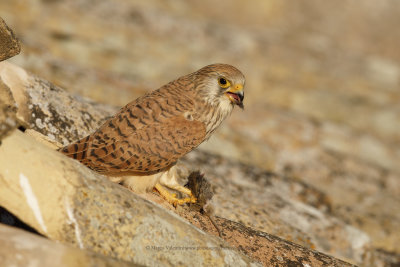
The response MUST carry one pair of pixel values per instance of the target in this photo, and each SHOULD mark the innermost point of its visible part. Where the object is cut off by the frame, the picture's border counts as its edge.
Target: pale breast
(213, 115)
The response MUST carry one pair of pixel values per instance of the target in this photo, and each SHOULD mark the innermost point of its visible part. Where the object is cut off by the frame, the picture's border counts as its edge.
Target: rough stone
(19, 248)
(246, 194)
(46, 108)
(311, 58)
(321, 96)
(65, 201)
(300, 212)
(280, 206)
(294, 146)
(87, 222)
(8, 111)
(268, 249)
(9, 44)
(259, 246)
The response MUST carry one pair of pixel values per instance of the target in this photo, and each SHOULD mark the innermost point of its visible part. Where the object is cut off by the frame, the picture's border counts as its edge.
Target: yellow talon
(172, 199)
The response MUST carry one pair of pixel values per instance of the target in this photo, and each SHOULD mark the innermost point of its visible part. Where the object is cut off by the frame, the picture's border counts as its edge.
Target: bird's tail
(77, 150)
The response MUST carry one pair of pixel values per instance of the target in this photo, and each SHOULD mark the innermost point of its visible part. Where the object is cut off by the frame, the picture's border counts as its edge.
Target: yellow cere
(236, 88)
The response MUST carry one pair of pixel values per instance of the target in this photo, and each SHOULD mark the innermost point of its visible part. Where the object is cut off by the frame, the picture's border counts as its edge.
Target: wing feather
(147, 135)
(167, 143)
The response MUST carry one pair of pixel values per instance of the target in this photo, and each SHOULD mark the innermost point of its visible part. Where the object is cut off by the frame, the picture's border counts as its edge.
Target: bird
(139, 147)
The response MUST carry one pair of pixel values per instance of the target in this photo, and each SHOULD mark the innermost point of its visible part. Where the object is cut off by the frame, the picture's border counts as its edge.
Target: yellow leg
(186, 191)
(172, 199)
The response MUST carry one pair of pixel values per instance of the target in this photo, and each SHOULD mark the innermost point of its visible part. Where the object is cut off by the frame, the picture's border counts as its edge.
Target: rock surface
(312, 58)
(242, 192)
(9, 47)
(322, 113)
(265, 248)
(9, 44)
(34, 251)
(53, 118)
(358, 190)
(65, 201)
(289, 208)
(33, 164)
(8, 111)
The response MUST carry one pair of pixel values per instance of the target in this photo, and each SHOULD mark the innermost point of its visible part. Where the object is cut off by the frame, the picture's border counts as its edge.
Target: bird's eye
(223, 82)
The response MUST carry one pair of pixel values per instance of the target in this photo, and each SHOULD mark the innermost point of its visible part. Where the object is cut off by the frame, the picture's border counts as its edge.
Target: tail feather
(81, 150)
(78, 149)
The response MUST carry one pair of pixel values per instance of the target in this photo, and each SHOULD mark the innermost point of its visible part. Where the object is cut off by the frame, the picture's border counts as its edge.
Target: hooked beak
(236, 95)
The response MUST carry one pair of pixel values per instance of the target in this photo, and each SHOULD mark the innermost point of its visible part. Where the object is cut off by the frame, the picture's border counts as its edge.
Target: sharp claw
(172, 199)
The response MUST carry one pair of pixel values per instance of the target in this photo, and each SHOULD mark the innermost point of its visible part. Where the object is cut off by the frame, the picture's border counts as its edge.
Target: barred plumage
(151, 133)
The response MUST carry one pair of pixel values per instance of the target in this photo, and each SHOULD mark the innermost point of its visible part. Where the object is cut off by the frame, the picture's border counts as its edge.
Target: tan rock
(321, 100)
(50, 110)
(279, 206)
(8, 110)
(65, 201)
(244, 194)
(314, 153)
(331, 69)
(249, 247)
(20, 248)
(272, 250)
(300, 212)
(9, 44)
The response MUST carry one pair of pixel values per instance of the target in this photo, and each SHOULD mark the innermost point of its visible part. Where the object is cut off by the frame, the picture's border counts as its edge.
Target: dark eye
(223, 82)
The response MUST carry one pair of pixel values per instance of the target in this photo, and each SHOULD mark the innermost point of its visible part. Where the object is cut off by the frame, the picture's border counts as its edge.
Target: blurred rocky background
(322, 104)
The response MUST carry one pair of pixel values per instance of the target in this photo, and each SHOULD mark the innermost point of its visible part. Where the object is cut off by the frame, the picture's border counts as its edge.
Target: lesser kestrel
(142, 143)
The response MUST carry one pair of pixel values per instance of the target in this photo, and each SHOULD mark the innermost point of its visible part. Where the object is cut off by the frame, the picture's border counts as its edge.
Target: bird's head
(221, 84)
